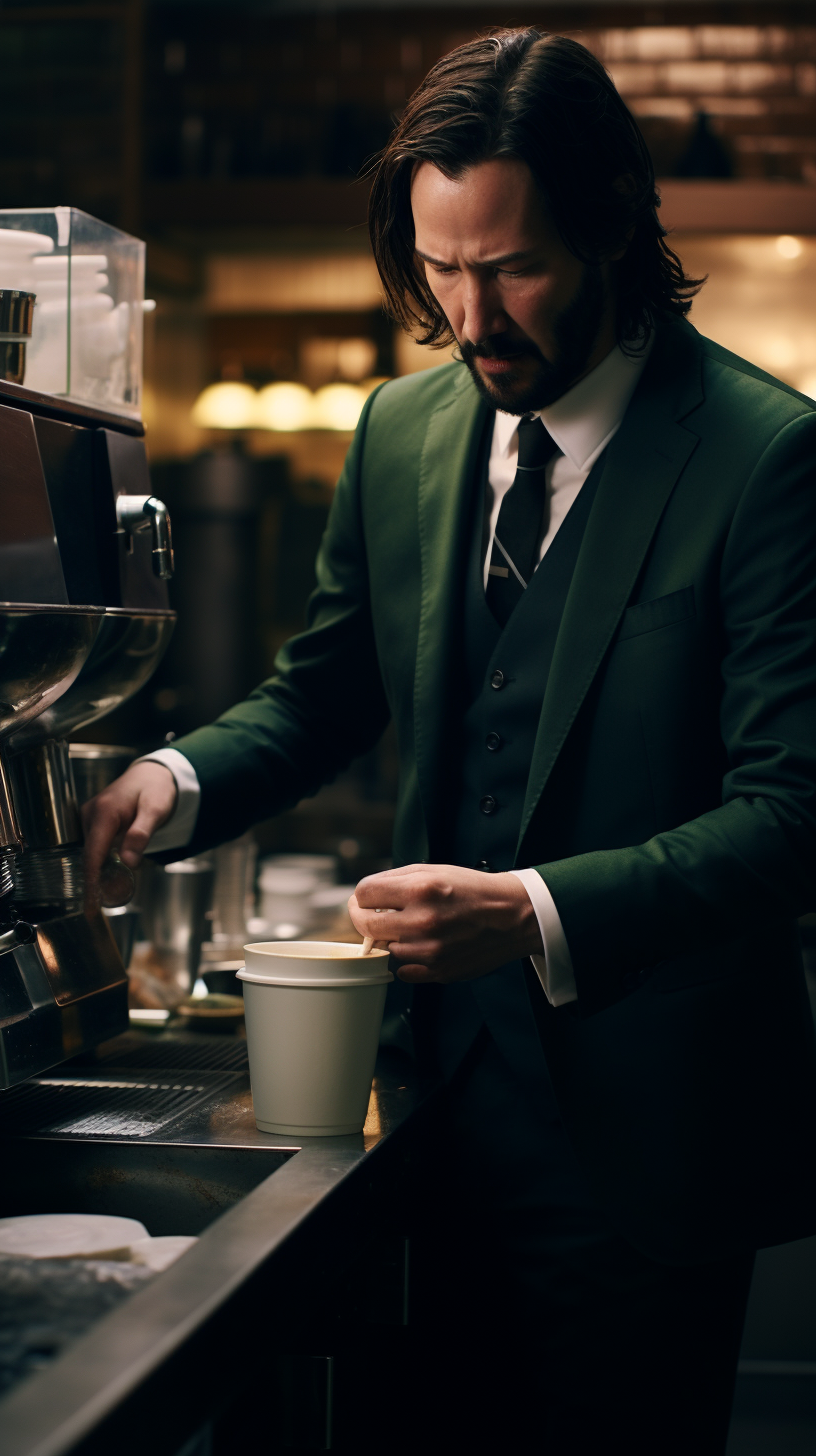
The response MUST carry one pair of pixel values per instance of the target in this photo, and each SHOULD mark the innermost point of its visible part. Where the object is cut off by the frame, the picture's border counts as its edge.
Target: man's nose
(483, 314)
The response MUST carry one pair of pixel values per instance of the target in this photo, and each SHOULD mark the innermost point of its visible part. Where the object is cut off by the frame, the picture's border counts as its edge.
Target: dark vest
(504, 678)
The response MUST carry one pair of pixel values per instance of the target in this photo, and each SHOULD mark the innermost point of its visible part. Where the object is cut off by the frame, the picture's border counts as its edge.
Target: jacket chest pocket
(660, 612)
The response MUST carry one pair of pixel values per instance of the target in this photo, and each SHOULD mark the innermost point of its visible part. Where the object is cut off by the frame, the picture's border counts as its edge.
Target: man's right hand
(125, 815)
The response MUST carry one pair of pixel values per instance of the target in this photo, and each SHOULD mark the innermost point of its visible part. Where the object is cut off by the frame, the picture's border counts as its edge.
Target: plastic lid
(300, 983)
(313, 963)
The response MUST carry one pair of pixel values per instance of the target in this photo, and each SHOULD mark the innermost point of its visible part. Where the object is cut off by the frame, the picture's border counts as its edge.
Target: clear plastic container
(88, 278)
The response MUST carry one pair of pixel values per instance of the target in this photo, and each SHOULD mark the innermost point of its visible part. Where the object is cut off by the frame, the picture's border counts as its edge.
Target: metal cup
(95, 765)
(16, 321)
(176, 900)
(123, 921)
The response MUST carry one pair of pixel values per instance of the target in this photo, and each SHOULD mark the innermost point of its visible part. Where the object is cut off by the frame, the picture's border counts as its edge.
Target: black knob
(497, 680)
(482, 864)
(488, 804)
(493, 741)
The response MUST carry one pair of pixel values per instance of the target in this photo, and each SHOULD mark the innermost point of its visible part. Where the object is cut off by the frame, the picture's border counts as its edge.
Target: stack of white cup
(285, 896)
(17, 250)
(99, 328)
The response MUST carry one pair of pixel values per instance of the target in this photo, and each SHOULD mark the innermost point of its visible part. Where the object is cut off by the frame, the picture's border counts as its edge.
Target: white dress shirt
(582, 422)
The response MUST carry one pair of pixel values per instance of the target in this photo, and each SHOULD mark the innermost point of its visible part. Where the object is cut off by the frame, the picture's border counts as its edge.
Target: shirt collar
(583, 421)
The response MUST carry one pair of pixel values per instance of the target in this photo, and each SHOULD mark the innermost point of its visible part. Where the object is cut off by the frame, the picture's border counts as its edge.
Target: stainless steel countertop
(56, 1410)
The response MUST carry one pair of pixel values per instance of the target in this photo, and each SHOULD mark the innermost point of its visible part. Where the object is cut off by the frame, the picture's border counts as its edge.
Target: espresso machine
(85, 555)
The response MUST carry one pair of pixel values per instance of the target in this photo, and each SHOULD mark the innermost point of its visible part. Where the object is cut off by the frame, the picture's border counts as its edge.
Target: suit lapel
(643, 464)
(446, 477)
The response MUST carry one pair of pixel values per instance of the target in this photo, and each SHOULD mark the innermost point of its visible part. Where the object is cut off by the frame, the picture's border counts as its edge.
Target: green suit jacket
(671, 800)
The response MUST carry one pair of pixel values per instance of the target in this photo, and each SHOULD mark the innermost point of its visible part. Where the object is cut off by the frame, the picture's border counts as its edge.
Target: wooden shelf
(688, 206)
(738, 207)
(259, 202)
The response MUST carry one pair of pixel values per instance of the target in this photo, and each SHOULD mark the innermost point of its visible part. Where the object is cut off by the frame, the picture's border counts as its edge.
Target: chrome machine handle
(21, 933)
(134, 512)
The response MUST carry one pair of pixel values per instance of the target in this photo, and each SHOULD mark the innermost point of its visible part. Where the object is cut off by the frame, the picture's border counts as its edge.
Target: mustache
(501, 347)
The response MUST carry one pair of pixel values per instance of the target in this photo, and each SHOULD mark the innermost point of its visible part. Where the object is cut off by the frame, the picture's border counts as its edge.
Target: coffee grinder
(85, 555)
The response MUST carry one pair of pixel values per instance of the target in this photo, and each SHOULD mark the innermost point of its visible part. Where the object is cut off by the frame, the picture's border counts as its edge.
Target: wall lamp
(281, 407)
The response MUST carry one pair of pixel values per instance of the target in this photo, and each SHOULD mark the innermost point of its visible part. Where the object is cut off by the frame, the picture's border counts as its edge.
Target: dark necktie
(521, 517)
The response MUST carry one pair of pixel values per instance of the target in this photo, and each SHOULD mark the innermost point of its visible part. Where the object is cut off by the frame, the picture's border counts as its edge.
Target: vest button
(488, 804)
(482, 864)
(497, 680)
(493, 741)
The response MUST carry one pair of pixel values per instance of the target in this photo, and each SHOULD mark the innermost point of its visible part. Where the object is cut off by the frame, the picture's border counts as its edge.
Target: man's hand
(444, 923)
(125, 815)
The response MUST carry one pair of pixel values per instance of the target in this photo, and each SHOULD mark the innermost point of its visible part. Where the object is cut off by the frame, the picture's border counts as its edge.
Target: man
(578, 570)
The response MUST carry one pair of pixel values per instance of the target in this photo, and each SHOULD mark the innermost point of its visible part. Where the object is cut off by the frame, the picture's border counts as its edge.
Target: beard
(575, 332)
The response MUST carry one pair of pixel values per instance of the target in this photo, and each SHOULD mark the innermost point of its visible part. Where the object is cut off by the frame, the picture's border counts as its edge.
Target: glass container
(88, 282)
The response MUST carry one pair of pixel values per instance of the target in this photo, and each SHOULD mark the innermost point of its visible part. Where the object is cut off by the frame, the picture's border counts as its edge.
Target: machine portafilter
(127, 648)
(42, 649)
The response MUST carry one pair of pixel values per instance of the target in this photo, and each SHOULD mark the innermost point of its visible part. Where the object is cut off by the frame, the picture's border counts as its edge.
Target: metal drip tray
(114, 1104)
(216, 1053)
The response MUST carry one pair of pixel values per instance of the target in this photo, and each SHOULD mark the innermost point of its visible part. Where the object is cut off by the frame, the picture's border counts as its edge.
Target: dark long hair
(545, 100)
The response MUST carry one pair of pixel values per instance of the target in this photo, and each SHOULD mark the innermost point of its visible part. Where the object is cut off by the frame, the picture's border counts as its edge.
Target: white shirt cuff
(178, 829)
(554, 968)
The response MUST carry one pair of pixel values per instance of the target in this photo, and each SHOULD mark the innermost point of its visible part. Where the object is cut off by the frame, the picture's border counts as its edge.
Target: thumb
(355, 913)
(137, 837)
(102, 824)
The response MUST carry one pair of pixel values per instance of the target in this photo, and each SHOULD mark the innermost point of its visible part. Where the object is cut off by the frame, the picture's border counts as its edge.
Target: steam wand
(134, 512)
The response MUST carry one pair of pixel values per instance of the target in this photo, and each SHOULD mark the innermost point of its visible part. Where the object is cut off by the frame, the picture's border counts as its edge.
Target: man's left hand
(444, 923)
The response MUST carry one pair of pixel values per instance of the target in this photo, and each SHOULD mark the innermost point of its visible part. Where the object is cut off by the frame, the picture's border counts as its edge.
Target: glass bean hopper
(88, 281)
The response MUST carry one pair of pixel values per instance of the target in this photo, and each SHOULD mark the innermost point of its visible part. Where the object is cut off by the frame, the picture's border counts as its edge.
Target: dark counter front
(280, 1329)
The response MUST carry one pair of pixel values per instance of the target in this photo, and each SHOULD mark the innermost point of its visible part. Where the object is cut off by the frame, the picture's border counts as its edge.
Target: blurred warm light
(356, 358)
(808, 386)
(756, 302)
(225, 406)
(284, 407)
(778, 351)
(338, 407)
(324, 360)
(788, 247)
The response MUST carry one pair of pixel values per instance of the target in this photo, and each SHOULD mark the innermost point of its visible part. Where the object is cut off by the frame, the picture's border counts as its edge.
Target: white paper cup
(313, 1015)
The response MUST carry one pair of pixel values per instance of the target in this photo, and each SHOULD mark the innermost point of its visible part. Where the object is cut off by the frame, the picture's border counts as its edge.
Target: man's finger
(138, 836)
(411, 869)
(102, 825)
(369, 922)
(393, 889)
(384, 927)
(413, 951)
(414, 974)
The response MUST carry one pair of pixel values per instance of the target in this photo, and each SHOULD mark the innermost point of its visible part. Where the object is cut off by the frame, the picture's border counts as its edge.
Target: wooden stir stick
(368, 940)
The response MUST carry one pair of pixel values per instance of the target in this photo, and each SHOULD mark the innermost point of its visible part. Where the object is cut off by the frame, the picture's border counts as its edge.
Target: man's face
(529, 318)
